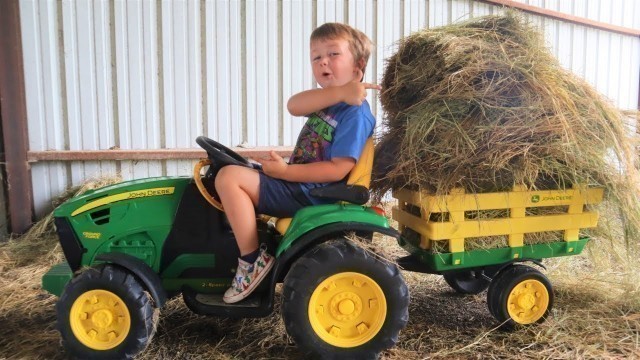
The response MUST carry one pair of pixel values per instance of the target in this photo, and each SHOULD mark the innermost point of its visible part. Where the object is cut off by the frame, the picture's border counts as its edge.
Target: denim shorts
(280, 198)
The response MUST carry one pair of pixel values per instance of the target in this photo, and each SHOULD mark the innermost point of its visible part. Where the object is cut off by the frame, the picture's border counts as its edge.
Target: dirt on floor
(596, 315)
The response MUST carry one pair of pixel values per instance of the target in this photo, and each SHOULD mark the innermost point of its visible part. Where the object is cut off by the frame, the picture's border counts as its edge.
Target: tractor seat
(355, 190)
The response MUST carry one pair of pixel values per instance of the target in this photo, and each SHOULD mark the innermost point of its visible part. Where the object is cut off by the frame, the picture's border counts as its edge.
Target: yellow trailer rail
(454, 228)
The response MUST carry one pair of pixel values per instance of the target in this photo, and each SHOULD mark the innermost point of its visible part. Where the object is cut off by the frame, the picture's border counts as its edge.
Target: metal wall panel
(86, 83)
(360, 16)
(297, 24)
(137, 74)
(330, 11)
(45, 97)
(263, 74)
(608, 61)
(182, 75)
(136, 67)
(389, 29)
(224, 86)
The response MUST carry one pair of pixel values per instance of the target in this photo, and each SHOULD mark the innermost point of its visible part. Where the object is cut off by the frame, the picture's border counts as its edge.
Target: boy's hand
(275, 167)
(354, 92)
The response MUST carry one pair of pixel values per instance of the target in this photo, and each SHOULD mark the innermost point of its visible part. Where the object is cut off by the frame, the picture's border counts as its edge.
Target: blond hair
(359, 43)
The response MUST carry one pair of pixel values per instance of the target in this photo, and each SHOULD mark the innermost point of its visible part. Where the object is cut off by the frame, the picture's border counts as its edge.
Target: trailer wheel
(342, 303)
(105, 313)
(466, 282)
(520, 295)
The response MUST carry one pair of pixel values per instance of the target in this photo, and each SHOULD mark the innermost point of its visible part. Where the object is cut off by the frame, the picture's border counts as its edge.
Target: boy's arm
(307, 102)
(310, 101)
(322, 171)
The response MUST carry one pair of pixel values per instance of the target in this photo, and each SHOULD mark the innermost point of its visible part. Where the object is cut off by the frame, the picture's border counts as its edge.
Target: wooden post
(576, 207)
(14, 117)
(456, 217)
(517, 240)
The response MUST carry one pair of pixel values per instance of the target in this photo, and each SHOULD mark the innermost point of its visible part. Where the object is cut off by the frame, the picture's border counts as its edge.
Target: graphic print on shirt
(315, 135)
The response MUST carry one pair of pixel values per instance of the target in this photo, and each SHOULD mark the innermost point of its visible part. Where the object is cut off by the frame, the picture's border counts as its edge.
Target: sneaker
(248, 277)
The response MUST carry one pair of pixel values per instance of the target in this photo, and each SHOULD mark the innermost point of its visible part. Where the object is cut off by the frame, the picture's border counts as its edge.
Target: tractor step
(216, 300)
(256, 305)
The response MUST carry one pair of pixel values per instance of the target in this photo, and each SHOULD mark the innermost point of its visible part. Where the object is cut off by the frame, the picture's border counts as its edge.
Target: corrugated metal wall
(156, 74)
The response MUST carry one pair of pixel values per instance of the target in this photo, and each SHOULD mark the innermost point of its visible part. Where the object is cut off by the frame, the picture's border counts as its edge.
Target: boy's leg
(239, 190)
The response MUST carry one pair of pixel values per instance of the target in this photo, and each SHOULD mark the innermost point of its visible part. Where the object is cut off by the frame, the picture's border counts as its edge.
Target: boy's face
(332, 62)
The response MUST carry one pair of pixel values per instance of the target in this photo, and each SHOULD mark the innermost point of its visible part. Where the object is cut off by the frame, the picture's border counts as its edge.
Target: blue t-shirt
(340, 130)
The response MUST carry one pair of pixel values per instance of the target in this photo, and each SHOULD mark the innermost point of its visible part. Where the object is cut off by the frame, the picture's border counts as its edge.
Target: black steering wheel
(218, 156)
(221, 155)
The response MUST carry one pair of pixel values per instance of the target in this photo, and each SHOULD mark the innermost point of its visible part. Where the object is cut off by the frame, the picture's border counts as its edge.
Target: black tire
(466, 282)
(343, 261)
(491, 295)
(532, 300)
(107, 285)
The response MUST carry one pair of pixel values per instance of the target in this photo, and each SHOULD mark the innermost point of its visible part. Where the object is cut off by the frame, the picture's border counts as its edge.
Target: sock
(251, 257)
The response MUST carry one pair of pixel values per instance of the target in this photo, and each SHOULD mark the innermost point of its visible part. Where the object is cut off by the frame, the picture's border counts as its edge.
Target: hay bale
(483, 105)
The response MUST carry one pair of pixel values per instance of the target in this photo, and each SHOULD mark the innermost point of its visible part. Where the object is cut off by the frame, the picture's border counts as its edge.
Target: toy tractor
(129, 247)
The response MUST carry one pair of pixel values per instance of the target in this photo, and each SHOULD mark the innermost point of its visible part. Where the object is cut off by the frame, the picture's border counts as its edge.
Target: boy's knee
(224, 177)
(231, 175)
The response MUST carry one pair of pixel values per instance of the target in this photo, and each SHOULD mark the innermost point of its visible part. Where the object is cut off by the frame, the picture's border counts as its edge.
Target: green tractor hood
(132, 217)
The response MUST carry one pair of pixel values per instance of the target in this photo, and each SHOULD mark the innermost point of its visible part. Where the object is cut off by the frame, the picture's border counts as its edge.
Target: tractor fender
(495, 270)
(318, 236)
(141, 270)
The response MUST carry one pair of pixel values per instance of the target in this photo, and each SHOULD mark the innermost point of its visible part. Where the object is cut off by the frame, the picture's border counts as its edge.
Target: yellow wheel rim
(347, 309)
(528, 302)
(100, 319)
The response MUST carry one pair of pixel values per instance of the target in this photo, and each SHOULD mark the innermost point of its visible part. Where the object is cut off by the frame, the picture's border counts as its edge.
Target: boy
(328, 147)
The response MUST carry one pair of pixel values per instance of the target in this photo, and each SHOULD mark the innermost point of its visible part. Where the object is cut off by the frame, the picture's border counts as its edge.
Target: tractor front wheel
(105, 313)
(341, 302)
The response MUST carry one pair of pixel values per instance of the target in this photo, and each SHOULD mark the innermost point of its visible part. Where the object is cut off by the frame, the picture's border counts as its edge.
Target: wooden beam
(143, 154)
(564, 17)
(13, 112)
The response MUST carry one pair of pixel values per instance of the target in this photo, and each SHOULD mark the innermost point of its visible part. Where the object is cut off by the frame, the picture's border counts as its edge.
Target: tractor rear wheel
(105, 313)
(341, 302)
